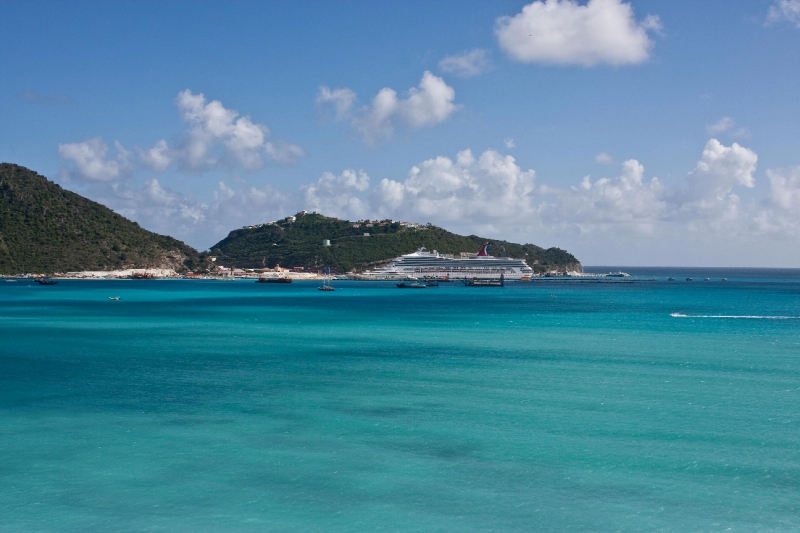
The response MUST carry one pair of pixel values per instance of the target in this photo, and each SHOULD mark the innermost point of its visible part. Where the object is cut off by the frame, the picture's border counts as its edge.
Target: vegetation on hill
(300, 243)
(46, 229)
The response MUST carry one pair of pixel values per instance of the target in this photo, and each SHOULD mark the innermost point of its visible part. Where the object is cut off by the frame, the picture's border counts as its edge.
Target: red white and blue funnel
(484, 250)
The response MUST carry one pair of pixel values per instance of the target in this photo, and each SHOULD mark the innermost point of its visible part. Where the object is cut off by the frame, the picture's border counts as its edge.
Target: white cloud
(509, 143)
(629, 215)
(234, 204)
(90, 162)
(46, 99)
(155, 207)
(785, 10)
(217, 134)
(627, 201)
(492, 193)
(630, 205)
(157, 158)
(780, 217)
(374, 122)
(491, 188)
(215, 137)
(720, 169)
(338, 195)
(467, 64)
(342, 99)
(785, 188)
(169, 202)
(234, 208)
(565, 32)
(723, 124)
(726, 125)
(604, 159)
(283, 152)
(428, 104)
(167, 211)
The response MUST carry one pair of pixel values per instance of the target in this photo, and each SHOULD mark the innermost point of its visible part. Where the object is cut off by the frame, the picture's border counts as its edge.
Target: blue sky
(568, 111)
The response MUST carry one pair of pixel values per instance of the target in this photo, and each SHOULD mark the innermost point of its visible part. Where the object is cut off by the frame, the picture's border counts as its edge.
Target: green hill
(46, 229)
(299, 243)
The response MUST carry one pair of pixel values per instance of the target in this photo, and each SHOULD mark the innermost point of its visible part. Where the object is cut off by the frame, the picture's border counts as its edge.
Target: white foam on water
(766, 317)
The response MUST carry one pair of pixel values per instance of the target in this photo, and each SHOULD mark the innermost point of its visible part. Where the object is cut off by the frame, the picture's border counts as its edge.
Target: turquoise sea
(234, 406)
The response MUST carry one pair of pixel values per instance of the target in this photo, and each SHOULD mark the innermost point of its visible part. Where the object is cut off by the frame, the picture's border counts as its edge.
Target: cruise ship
(424, 264)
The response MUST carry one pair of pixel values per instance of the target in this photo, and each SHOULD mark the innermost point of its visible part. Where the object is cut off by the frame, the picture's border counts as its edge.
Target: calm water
(231, 406)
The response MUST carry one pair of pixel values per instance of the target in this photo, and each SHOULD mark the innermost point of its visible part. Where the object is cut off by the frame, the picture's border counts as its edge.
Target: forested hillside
(299, 243)
(46, 229)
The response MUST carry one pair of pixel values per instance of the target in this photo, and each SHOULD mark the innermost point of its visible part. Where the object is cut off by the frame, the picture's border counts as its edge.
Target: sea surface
(206, 406)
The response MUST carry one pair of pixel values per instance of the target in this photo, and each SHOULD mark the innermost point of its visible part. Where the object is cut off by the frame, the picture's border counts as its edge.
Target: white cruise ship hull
(423, 264)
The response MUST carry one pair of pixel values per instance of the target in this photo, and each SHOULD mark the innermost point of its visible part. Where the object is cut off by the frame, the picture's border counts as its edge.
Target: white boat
(326, 284)
(415, 285)
(433, 264)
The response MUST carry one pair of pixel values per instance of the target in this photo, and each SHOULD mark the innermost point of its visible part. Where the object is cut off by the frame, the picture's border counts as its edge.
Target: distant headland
(314, 241)
(45, 229)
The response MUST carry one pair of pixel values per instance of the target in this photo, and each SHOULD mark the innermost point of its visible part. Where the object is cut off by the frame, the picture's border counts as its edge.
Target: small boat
(326, 284)
(476, 282)
(483, 282)
(724, 279)
(415, 285)
(671, 279)
(432, 283)
(274, 280)
(115, 298)
(688, 279)
(45, 281)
